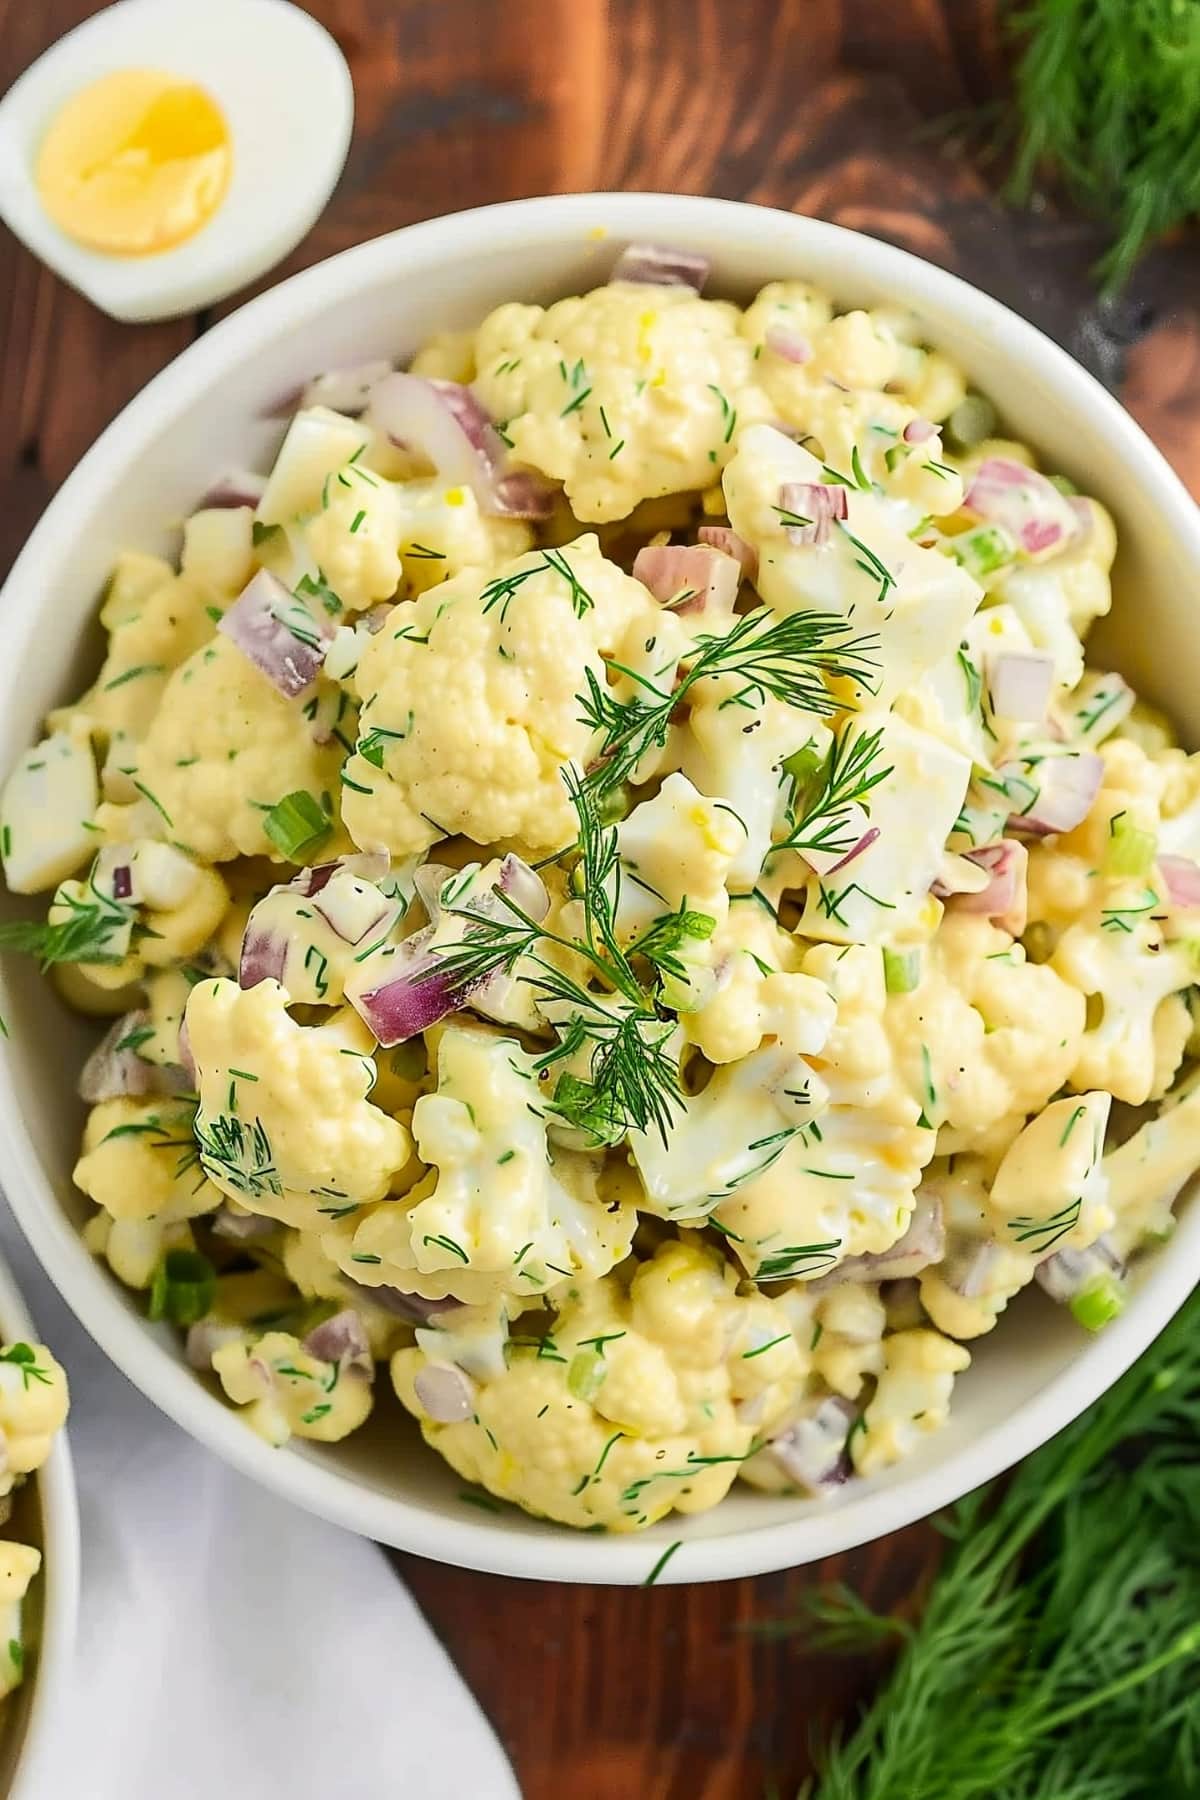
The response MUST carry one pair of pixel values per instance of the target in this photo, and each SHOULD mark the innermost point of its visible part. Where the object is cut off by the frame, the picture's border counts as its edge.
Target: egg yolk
(135, 162)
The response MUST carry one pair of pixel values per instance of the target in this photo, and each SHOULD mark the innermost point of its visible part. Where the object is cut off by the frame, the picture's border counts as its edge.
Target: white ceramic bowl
(207, 410)
(46, 1515)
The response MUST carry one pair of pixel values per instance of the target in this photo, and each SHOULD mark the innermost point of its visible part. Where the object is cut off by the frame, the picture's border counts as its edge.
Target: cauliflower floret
(848, 1337)
(500, 1217)
(33, 1407)
(1179, 826)
(288, 1392)
(1129, 977)
(1148, 1171)
(470, 703)
(284, 1124)
(670, 1367)
(223, 747)
(134, 1248)
(355, 538)
(728, 1134)
(911, 600)
(19, 1563)
(622, 394)
(139, 1161)
(759, 991)
(911, 1399)
(985, 1033)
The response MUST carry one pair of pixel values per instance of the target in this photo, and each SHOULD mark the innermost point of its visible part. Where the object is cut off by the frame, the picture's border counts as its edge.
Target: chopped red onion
(206, 1337)
(368, 865)
(341, 1339)
(661, 267)
(811, 1450)
(817, 502)
(787, 342)
(345, 390)
(689, 578)
(110, 1073)
(447, 425)
(923, 1243)
(1182, 879)
(429, 881)
(968, 1269)
(1069, 784)
(1068, 1272)
(1020, 683)
(234, 488)
(420, 990)
(1005, 898)
(377, 616)
(351, 913)
(446, 1394)
(242, 1227)
(187, 1061)
(264, 958)
(1024, 502)
(919, 431)
(524, 887)
(720, 537)
(115, 872)
(277, 633)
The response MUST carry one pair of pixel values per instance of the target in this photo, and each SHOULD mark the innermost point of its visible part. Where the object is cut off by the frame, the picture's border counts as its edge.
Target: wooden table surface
(810, 105)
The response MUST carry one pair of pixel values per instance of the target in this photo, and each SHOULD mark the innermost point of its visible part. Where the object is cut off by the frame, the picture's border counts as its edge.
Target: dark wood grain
(807, 104)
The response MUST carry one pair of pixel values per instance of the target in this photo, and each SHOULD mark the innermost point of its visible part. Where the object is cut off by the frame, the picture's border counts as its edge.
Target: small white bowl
(47, 1515)
(206, 411)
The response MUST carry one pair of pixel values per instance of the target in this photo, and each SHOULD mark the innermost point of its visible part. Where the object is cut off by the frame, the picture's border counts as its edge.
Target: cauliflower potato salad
(33, 1409)
(624, 917)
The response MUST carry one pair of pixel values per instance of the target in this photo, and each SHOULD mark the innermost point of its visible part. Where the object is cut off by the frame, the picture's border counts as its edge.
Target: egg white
(285, 90)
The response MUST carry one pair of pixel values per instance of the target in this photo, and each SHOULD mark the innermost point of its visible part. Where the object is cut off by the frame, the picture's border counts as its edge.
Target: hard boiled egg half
(169, 151)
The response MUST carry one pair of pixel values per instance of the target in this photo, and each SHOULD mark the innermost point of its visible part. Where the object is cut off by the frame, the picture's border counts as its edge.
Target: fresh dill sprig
(826, 820)
(789, 658)
(500, 591)
(1109, 97)
(97, 930)
(1058, 1651)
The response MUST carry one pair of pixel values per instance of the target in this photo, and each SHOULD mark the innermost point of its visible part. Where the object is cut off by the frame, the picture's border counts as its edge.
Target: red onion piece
(1069, 784)
(923, 1243)
(110, 1073)
(1182, 879)
(918, 431)
(447, 425)
(242, 1227)
(524, 887)
(419, 991)
(787, 342)
(1068, 1272)
(264, 958)
(721, 537)
(234, 488)
(1020, 683)
(811, 1450)
(689, 578)
(187, 1062)
(341, 1339)
(345, 390)
(115, 872)
(1005, 898)
(446, 1394)
(661, 267)
(206, 1337)
(429, 881)
(276, 632)
(368, 865)
(1024, 502)
(967, 1270)
(817, 501)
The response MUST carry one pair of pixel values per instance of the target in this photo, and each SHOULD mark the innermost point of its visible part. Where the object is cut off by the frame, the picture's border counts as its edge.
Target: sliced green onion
(983, 550)
(585, 1375)
(297, 825)
(901, 970)
(972, 420)
(1130, 850)
(1100, 1303)
(183, 1287)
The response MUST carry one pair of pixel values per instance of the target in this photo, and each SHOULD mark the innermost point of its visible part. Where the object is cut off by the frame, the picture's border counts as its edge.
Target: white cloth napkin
(232, 1647)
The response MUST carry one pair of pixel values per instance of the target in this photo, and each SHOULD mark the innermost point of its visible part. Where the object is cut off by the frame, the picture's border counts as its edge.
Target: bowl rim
(562, 1554)
(53, 1666)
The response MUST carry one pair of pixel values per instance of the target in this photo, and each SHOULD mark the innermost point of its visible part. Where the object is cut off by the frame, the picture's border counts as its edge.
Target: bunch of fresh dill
(1109, 97)
(1058, 1654)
